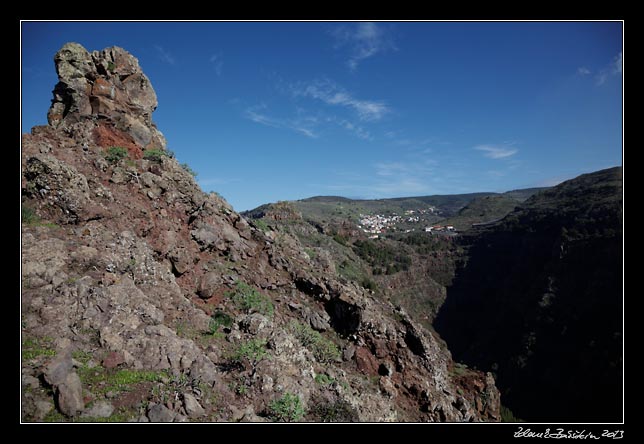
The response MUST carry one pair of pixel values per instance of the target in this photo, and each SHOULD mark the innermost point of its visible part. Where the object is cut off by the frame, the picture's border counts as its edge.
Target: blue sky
(266, 111)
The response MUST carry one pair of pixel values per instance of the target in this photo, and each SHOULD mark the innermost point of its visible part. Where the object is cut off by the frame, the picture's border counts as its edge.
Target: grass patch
(82, 356)
(100, 380)
(248, 299)
(322, 348)
(288, 408)
(261, 224)
(28, 216)
(35, 347)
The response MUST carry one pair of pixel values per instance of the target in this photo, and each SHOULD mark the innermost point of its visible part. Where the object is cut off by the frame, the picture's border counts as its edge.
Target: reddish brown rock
(106, 136)
(366, 362)
(113, 359)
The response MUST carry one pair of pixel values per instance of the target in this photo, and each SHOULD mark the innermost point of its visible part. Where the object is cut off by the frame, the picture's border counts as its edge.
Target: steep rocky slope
(145, 299)
(540, 302)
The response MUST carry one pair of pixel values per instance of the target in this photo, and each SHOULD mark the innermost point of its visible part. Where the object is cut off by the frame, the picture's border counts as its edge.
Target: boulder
(209, 283)
(160, 413)
(70, 395)
(192, 406)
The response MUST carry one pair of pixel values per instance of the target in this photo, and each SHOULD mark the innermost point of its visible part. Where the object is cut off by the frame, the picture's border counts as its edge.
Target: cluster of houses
(378, 223)
(374, 225)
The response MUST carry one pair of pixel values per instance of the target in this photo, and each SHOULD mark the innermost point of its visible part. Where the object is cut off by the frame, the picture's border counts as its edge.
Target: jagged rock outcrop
(108, 88)
(174, 308)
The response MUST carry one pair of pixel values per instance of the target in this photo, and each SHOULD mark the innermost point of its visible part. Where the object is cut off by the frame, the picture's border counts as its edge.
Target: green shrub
(288, 408)
(261, 224)
(324, 379)
(218, 319)
(190, 171)
(252, 352)
(508, 416)
(342, 240)
(338, 411)
(115, 154)
(154, 155)
(28, 215)
(322, 348)
(368, 284)
(250, 300)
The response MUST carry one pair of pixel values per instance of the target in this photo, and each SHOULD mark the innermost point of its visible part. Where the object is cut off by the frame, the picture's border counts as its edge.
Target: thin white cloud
(164, 56)
(363, 40)
(332, 94)
(496, 152)
(614, 68)
(388, 169)
(351, 127)
(583, 71)
(216, 60)
(302, 126)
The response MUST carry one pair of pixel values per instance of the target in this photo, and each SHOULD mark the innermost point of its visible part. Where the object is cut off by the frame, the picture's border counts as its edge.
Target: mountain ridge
(145, 299)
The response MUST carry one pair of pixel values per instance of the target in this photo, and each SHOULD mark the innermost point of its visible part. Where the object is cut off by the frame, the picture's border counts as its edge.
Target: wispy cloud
(363, 40)
(216, 60)
(614, 68)
(164, 56)
(583, 71)
(332, 94)
(299, 125)
(357, 130)
(496, 151)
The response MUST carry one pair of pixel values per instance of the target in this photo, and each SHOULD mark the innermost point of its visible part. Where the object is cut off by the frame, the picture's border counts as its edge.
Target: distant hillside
(539, 302)
(482, 210)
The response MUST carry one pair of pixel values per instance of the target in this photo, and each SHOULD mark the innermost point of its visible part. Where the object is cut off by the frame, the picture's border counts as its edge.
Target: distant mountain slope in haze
(539, 302)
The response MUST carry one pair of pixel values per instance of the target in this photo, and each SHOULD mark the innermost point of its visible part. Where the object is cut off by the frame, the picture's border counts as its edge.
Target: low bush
(250, 300)
(322, 348)
(154, 155)
(288, 408)
(115, 154)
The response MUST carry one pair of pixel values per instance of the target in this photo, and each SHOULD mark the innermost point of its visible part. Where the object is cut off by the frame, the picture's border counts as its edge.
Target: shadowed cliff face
(539, 302)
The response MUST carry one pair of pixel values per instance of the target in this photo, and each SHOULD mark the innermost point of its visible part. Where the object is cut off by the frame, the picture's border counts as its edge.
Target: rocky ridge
(146, 299)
